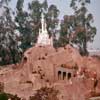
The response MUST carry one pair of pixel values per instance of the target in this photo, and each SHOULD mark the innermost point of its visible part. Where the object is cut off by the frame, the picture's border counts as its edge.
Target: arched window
(69, 76)
(25, 59)
(64, 75)
(59, 75)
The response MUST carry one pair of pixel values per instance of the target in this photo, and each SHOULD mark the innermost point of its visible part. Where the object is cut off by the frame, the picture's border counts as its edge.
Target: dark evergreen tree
(9, 50)
(23, 26)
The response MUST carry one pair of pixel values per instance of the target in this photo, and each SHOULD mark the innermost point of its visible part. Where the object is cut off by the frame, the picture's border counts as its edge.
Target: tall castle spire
(43, 37)
(42, 21)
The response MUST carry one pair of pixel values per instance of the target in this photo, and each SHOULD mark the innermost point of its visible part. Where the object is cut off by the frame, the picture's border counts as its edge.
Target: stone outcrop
(62, 68)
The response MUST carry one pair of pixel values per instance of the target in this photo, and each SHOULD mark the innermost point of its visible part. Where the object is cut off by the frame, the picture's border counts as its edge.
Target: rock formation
(76, 77)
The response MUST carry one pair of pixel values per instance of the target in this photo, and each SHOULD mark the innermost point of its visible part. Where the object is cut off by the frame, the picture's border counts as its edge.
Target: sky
(63, 6)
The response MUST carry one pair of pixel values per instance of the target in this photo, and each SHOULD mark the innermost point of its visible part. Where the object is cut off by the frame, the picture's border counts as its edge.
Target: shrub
(45, 94)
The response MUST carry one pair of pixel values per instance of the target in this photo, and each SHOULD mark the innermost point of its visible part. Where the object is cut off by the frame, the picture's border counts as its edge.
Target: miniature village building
(63, 73)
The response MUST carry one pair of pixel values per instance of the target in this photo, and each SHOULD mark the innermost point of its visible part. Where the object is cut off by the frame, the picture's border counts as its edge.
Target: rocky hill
(64, 69)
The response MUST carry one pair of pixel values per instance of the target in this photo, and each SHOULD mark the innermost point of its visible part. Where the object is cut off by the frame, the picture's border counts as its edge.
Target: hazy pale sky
(63, 5)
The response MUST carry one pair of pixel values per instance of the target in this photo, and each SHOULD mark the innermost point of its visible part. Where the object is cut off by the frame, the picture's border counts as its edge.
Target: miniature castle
(43, 37)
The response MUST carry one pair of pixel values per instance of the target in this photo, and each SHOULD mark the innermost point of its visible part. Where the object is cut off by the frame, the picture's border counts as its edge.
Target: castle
(43, 37)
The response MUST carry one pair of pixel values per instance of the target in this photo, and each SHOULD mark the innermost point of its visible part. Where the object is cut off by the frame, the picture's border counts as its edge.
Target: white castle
(43, 37)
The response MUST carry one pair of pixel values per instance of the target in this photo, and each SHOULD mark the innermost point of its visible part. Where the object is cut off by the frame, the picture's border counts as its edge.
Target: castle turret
(43, 37)
(42, 22)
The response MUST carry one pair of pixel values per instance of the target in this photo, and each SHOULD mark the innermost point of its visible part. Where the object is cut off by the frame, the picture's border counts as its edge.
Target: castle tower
(42, 22)
(43, 37)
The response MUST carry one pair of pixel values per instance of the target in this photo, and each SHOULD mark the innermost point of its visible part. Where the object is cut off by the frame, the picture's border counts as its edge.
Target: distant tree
(28, 22)
(4, 2)
(45, 5)
(23, 25)
(52, 19)
(51, 14)
(78, 28)
(35, 8)
(9, 50)
(82, 27)
(21, 33)
(66, 29)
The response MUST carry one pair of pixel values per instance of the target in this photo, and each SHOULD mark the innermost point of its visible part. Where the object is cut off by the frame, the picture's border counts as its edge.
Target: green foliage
(19, 5)
(45, 5)
(35, 8)
(52, 19)
(50, 12)
(23, 26)
(53, 11)
(3, 96)
(9, 51)
(6, 96)
(4, 2)
(45, 94)
(83, 21)
(67, 28)
(27, 24)
(74, 3)
(76, 28)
